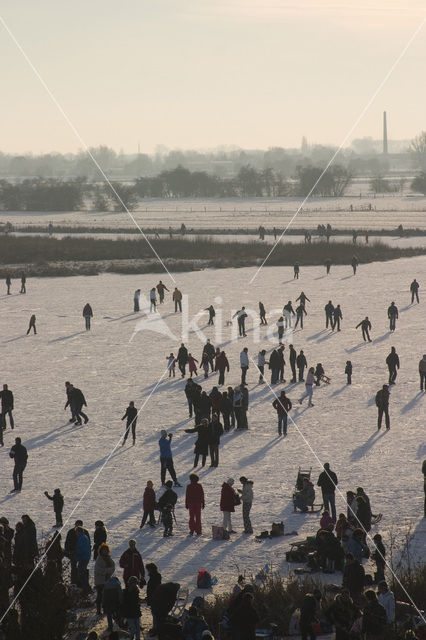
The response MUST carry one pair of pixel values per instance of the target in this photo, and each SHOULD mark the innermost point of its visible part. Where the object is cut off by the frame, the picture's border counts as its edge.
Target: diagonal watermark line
(345, 139)
(86, 491)
(321, 465)
(83, 143)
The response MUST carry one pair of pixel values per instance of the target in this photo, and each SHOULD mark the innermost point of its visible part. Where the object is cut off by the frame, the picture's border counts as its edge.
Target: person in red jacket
(148, 505)
(132, 563)
(220, 365)
(194, 502)
(227, 504)
(282, 405)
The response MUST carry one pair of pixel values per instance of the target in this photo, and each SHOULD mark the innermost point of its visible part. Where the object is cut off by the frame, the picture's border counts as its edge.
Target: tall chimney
(385, 135)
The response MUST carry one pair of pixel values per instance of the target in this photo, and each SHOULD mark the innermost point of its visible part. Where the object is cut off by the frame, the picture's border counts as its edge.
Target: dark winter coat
(71, 541)
(87, 311)
(245, 618)
(6, 396)
(221, 363)
(392, 360)
(58, 501)
(82, 548)
(202, 442)
(301, 361)
(99, 536)
(131, 415)
(182, 356)
(204, 404)
(168, 497)
(132, 563)
(382, 398)
(308, 609)
(329, 308)
(214, 432)
(209, 348)
(194, 495)
(227, 498)
(152, 584)
(19, 454)
(77, 397)
(282, 405)
(163, 598)
(293, 355)
(112, 595)
(149, 499)
(327, 481)
(131, 606)
(274, 360)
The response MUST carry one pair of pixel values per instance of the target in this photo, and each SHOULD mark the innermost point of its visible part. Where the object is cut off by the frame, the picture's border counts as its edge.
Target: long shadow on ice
(385, 336)
(410, 405)
(316, 335)
(260, 453)
(134, 313)
(357, 347)
(336, 393)
(45, 438)
(361, 451)
(14, 339)
(98, 463)
(72, 335)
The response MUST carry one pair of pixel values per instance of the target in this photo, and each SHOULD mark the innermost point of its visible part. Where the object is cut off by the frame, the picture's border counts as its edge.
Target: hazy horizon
(207, 74)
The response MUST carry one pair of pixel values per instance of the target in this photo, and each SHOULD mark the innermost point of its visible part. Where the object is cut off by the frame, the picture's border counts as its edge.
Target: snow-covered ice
(111, 370)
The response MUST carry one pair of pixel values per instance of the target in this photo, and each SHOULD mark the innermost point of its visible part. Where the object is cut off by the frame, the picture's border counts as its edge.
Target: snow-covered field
(387, 213)
(112, 369)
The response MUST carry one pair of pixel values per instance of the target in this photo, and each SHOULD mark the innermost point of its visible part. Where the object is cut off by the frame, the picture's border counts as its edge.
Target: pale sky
(196, 74)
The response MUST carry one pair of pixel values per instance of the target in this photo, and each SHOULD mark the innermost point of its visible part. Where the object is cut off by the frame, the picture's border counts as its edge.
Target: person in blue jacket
(82, 557)
(166, 458)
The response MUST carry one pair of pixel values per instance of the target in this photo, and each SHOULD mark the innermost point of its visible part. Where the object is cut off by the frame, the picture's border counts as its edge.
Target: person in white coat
(310, 379)
(104, 569)
(244, 363)
(387, 600)
(261, 361)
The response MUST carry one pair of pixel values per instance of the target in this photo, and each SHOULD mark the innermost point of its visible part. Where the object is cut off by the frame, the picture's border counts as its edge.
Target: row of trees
(39, 194)
(363, 157)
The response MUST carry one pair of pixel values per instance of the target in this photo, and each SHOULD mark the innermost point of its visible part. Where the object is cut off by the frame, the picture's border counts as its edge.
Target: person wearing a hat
(166, 458)
(58, 505)
(227, 504)
(382, 404)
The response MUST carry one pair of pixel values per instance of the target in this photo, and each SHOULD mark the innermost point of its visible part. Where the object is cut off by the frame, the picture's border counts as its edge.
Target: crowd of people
(340, 543)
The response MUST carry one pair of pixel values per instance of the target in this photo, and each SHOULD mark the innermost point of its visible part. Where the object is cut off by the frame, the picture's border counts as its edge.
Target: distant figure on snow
(241, 316)
(365, 326)
(329, 308)
(87, 315)
(337, 316)
(282, 406)
(296, 271)
(414, 288)
(393, 364)
(382, 404)
(393, 316)
(309, 388)
(348, 372)
(58, 505)
(161, 288)
(136, 298)
(212, 314)
(422, 373)
(153, 300)
(32, 324)
(327, 265)
(262, 313)
(354, 263)
(8, 284)
(132, 415)
(23, 282)
(177, 299)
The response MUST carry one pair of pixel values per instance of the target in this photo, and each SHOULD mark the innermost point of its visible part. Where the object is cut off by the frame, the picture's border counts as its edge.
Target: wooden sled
(301, 475)
(375, 518)
(325, 379)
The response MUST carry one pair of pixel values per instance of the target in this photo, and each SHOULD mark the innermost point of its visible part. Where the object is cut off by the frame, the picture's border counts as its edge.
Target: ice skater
(309, 388)
(392, 362)
(241, 316)
(87, 315)
(296, 271)
(131, 415)
(171, 365)
(365, 326)
(348, 372)
(161, 288)
(32, 324)
(382, 404)
(300, 310)
(23, 282)
(136, 298)
(153, 300)
(329, 309)
(262, 313)
(414, 288)
(393, 316)
(212, 314)
(354, 263)
(8, 284)
(337, 316)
